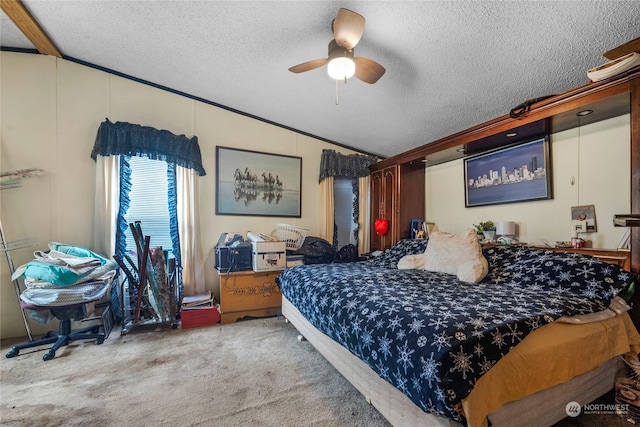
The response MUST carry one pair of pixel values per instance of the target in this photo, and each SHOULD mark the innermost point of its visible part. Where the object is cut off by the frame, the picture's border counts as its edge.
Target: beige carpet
(251, 373)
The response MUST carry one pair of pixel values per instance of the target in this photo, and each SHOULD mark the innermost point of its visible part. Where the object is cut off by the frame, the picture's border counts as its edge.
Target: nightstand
(249, 293)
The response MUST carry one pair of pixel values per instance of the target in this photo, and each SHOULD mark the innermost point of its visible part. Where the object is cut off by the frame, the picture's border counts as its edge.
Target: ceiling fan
(347, 28)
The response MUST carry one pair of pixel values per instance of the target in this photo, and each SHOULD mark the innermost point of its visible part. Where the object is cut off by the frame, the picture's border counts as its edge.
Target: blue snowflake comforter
(433, 336)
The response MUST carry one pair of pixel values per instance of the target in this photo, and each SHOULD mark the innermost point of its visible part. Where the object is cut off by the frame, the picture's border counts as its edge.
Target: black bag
(316, 250)
(348, 253)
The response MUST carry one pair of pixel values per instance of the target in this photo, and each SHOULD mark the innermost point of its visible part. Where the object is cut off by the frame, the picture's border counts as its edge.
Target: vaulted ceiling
(449, 64)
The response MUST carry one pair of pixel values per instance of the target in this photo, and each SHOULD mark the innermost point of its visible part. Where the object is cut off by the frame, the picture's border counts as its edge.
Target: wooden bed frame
(543, 408)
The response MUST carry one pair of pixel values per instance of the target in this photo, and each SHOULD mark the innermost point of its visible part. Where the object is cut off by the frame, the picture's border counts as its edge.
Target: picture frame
(429, 228)
(585, 213)
(517, 173)
(255, 183)
(417, 229)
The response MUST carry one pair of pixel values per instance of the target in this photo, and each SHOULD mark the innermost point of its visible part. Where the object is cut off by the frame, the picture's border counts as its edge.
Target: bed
(426, 348)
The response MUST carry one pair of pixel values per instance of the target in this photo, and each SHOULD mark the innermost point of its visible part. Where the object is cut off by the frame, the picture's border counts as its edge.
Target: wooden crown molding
(622, 50)
(18, 13)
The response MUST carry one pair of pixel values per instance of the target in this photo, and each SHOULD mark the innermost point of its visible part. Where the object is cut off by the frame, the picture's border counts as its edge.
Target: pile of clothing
(65, 275)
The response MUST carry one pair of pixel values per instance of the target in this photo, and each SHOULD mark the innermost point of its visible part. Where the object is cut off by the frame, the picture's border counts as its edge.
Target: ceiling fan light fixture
(347, 28)
(341, 64)
(341, 68)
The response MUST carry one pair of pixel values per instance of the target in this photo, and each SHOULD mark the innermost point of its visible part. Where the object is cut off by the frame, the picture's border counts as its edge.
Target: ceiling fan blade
(348, 27)
(368, 70)
(309, 65)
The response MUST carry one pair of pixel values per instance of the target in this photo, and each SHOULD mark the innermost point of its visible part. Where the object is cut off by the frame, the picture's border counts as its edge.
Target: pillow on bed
(592, 280)
(389, 257)
(459, 254)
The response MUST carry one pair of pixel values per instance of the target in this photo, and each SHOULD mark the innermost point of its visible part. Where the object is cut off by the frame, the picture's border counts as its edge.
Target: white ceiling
(450, 64)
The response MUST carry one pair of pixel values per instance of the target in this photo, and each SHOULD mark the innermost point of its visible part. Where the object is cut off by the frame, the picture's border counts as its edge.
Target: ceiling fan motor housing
(336, 51)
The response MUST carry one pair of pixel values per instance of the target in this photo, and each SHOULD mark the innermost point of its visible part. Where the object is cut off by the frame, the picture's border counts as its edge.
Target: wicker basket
(292, 236)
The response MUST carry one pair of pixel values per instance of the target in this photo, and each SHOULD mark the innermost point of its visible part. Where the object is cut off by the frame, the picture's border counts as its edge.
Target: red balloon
(381, 226)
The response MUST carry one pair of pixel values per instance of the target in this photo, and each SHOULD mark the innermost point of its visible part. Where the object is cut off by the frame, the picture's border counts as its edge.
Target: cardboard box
(195, 317)
(269, 256)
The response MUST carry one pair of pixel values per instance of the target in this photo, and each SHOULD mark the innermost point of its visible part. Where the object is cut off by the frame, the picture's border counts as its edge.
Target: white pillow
(459, 254)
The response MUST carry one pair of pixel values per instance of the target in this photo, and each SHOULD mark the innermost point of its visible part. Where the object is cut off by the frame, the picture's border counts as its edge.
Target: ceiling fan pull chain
(337, 97)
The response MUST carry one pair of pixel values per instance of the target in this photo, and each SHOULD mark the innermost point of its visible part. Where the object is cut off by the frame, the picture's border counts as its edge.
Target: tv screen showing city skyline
(514, 174)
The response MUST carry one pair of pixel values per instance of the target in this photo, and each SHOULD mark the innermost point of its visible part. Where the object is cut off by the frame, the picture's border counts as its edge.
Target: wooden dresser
(248, 294)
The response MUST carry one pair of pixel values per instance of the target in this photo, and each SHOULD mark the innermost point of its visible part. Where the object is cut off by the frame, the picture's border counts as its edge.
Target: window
(343, 211)
(149, 202)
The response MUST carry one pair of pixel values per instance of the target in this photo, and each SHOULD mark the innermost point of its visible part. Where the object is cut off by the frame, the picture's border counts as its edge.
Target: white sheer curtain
(188, 207)
(364, 236)
(327, 214)
(107, 203)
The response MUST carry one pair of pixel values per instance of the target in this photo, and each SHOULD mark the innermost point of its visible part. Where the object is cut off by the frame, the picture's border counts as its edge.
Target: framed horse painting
(257, 184)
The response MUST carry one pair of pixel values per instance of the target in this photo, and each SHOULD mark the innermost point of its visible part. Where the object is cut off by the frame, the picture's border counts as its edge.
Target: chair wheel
(49, 355)
(12, 353)
(99, 341)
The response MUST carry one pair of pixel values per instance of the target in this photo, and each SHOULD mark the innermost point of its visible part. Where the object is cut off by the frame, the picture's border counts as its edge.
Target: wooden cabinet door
(376, 203)
(397, 194)
(389, 196)
(383, 205)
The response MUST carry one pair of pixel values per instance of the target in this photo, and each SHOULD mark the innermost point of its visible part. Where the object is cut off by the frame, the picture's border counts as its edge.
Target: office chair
(65, 335)
(60, 283)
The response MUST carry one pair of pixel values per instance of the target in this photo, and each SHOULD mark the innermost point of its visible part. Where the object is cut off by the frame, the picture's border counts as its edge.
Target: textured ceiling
(450, 64)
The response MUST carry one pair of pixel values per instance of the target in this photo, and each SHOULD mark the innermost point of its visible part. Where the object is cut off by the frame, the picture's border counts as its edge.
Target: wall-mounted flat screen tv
(517, 173)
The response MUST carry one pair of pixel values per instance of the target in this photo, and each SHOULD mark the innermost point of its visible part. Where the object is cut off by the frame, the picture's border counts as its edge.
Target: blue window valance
(128, 139)
(353, 165)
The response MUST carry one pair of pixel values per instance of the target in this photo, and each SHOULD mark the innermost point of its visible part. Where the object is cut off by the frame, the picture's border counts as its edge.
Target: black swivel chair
(65, 334)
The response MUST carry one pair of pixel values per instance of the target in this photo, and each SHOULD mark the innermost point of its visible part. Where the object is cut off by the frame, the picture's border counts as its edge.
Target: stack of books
(199, 310)
(197, 301)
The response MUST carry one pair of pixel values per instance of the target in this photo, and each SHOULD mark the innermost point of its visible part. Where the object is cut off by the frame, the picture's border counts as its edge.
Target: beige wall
(50, 112)
(590, 166)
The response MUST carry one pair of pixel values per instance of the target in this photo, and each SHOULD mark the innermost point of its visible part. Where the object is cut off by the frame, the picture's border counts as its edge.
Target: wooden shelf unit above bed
(608, 98)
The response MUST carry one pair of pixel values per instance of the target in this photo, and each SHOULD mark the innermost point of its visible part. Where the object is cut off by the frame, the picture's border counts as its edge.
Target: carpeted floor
(251, 373)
